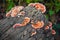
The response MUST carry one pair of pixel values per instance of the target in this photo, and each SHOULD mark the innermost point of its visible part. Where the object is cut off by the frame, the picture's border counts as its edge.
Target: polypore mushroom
(25, 22)
(14, 11)
(38, 6)
(38, 25)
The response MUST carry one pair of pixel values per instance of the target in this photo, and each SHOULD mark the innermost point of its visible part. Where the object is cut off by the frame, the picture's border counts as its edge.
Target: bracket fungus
(38, 6)
(14, 11)
(24, 23)
(37, 25)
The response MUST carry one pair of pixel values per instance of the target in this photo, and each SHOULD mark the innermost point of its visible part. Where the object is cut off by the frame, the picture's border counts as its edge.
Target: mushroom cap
(38, 6)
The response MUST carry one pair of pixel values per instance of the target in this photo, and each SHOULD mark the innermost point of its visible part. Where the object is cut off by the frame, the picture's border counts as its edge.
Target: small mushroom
(14, 11)
(53, 32)
(38, 25)
(40, 6)
(26, 21)
(47, 27)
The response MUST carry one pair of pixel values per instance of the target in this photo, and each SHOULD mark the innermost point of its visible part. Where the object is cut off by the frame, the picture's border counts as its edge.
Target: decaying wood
(7, 32)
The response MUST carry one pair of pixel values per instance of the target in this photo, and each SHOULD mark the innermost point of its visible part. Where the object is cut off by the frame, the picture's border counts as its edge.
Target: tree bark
(7, 32)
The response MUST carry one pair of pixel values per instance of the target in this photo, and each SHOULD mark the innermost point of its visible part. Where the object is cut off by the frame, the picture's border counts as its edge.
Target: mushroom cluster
(30, 22)
(16, 11)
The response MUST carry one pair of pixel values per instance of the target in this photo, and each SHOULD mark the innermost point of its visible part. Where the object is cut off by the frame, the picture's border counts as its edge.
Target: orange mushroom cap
(41, 7)
(26, 20)
(14, 11)
(17, 25)
(38, 25)
(47, 27)
(38, 6)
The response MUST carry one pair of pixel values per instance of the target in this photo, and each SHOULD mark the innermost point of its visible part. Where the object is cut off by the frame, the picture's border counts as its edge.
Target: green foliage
(57, 7)
(56, 27)
(29, 1)
(10, 5)
(51, 12)
(33, 1)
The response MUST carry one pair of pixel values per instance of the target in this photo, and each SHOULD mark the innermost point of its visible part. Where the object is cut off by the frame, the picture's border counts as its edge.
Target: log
(7, 32)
